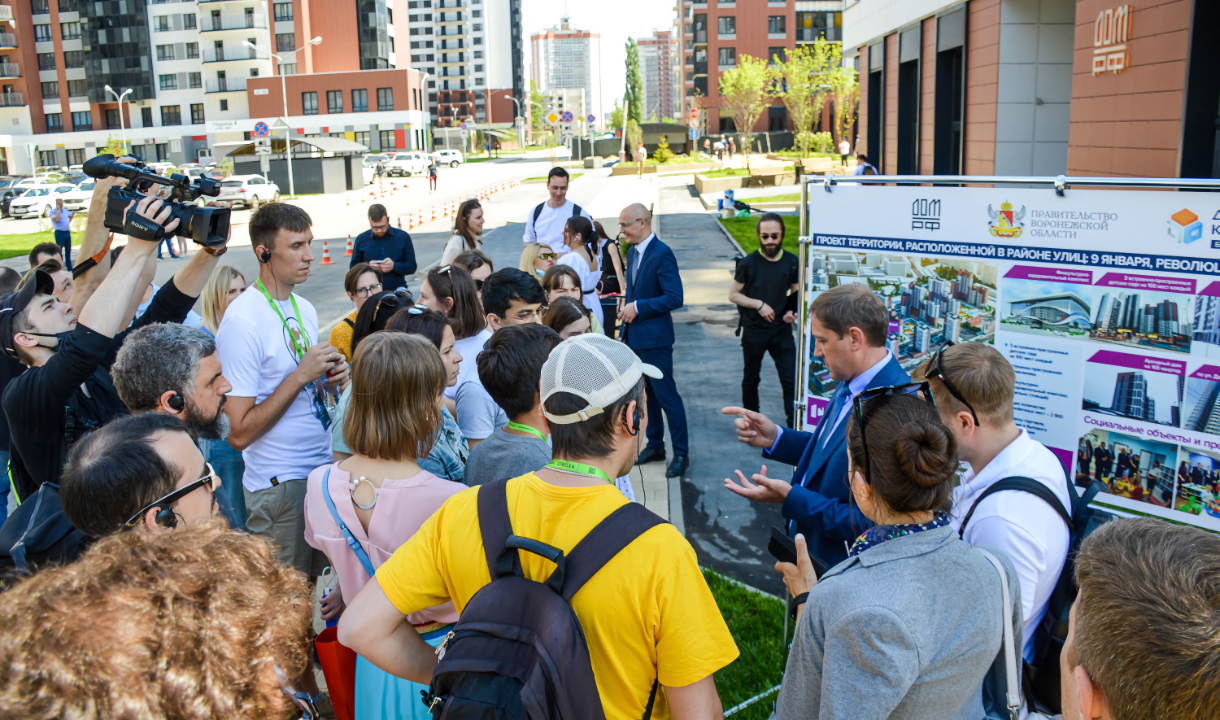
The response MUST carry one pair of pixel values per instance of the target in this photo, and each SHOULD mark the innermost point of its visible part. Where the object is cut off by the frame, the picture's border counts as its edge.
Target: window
(46, 61)
(416, 58)
(360, 100)
(77, 88)
(362, 138)
(776, 25)
(42, 33)
(165, 52)
(50, 91)
(188, 21)
(283, 11)
(427, 43)
(162, 152)
(197, 113)
(171, 114)
(414, 44)
(39, 7)
(412, 18)
(309, 103)
(476, 13)
(478, 54)
(161, 23)
(81, 121)
(385, 98)
(477, 41)
(253, 72)
(285, 42)
(168, 82)
(728, 56)
(775, 54)
(413, 31)
(478, 68)
(112, 119)
(726, 25)
(288, 69)
(334, 101)
(70, 30)
(74, 59)
(146, 118)
(55, 122)
(196, 80)
(477, 27)
(192, 51)
(478, 81)
(224, 104)
(47, 157)
(76, 156)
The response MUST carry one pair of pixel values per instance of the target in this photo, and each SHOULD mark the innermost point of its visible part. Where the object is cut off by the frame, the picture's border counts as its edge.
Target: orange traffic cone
(433, 212)
(400, 222)
(349, 202)
(326, 255)
(349, 246)
(410, 221)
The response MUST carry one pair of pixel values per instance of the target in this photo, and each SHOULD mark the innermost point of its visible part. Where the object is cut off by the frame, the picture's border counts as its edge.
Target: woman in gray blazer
(910, 623)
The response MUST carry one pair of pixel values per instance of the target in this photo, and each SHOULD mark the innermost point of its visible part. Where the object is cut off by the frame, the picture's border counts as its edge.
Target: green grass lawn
(745, 232)
(571, 176)
(756, 622)
(21, 245)
(726, 172)
(795, 154)
(788, 197)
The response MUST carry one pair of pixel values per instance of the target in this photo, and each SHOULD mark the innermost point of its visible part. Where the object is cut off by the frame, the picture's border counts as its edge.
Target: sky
(614, 22)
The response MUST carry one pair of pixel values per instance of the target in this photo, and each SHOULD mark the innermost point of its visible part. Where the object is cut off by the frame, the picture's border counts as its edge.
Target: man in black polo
(761, 290)
(389, 249)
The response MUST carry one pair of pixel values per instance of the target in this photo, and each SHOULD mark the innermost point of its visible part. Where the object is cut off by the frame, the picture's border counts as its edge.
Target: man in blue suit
(654, 290)
(849, 326)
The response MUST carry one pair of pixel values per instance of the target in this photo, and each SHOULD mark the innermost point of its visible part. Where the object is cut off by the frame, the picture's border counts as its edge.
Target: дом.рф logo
(1006, 223)
(1185, 227)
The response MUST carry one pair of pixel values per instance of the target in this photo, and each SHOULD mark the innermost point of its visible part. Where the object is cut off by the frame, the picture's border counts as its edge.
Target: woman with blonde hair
(467, 231)
(223, 287)
(360, 510)
(536, 259)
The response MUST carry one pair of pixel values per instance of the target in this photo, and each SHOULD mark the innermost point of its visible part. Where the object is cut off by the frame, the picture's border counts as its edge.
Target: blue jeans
(6, 484)
(63, 238)
(169, 245)
(230, 467)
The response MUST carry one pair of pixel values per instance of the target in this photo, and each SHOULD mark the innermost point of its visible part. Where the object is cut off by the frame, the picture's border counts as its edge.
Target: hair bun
(926, 452)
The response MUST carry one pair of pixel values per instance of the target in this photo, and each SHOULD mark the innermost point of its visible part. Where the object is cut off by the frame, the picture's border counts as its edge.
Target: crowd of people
(184, 481)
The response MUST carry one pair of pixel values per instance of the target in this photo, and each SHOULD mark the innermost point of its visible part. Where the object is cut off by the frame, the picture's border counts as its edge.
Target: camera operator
(67, 388)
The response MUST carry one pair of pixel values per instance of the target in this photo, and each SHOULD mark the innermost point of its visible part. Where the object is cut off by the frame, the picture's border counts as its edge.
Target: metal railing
(224, 85)
(11, 100)
(10, 70)
(211, 55)
(232, 22)
(8, 40)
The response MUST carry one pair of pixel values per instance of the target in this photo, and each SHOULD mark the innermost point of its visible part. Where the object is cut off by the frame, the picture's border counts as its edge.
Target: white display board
(1106, 302)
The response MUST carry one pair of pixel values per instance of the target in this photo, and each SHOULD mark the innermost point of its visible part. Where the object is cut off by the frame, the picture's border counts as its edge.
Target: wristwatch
(216, 252)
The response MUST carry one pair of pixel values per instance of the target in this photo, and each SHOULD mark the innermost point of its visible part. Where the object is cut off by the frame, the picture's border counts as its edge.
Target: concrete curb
(729, 237)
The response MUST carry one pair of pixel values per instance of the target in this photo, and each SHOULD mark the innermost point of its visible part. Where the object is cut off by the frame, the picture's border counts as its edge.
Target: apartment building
(660, 69)
(1038, 87)
(565, 57)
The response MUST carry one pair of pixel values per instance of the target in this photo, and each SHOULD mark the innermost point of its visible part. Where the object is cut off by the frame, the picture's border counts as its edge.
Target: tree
(537, 107)
(113, 146)
(801, 81)
(634, 98)
(846, 90)
(616, 116)
(663, 153)
(634, 134)
(745, 91)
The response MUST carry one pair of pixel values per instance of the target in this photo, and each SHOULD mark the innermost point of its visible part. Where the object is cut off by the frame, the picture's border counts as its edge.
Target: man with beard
(761, 289)
(173, 369)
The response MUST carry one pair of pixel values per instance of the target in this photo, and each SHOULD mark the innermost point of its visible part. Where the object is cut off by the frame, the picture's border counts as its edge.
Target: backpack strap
(350, 324)
(538, 212)
(1012, 662)
(17, 552)
(495, 524)
(1022, 484)
(603, 542)
(352, 542)
(576, 210)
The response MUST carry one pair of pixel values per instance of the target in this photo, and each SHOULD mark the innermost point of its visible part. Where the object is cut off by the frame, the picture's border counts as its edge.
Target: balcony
(233, 22)
(449, 19)
(12, 100)
(449, 5)
(812, 34)
(449, 31)
(10, 70)
(224, 85)
(456, 45)
(212, 55)
(8, 40)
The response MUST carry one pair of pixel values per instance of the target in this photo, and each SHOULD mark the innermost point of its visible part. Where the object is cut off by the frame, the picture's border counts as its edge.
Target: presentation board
(1106, 302)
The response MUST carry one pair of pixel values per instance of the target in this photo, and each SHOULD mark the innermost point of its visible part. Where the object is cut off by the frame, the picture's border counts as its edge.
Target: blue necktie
(832, 411)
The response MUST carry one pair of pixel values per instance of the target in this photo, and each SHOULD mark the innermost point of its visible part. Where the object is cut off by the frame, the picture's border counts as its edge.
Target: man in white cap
(647, 614)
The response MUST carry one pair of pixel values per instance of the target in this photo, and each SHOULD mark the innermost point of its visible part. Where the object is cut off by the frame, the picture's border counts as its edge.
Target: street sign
(694, 114)
(280, 124)
(566, 116)
(264, 164)
(694, 133)
(591, 119)
(552, 117)
(262, 151)
(261, 129)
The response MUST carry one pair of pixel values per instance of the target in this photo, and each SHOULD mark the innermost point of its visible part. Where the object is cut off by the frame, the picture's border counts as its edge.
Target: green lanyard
(578, 469)
(291, 332)
(526, 429)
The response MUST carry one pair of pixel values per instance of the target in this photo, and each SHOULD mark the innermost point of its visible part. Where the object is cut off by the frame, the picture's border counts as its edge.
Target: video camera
(207, 226)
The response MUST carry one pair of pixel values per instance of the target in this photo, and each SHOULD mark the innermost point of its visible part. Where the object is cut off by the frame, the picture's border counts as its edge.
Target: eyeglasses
(769, 236)
(175, 496)
(629, 224)
(935, 371)
(529, 314)
(548, 256)
(365, 291)
(917, 389)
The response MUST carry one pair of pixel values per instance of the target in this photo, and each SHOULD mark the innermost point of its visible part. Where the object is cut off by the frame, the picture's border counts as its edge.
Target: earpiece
(634, 428)
(264, 257)
(176, 403)
(166, 517)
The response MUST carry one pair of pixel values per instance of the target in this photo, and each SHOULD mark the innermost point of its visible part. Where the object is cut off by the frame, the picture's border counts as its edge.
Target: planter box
(594, 162)
(628, 168)
(788, 178)
(705, 185)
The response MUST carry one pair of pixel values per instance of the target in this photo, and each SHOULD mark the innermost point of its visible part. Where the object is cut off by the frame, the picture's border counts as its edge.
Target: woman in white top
(467, 231)
(584, 258)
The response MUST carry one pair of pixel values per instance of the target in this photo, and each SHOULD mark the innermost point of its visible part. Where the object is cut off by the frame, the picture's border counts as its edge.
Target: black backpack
(518, 650)
(1042, 677)
(36, 535)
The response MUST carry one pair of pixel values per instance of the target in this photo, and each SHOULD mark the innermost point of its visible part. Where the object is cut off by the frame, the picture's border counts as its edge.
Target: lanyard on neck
(576, 468)
(292, 333)
(526, 429)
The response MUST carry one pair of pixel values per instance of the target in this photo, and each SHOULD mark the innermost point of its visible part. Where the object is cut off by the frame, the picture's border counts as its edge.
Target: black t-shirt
(767, 280)
(9, 369)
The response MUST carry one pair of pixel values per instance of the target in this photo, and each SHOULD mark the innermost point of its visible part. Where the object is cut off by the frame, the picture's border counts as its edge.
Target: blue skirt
(380, 695)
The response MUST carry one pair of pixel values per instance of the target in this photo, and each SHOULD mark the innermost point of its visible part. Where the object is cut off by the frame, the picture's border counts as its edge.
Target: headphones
(265, 256)
(634, 428)
(166, 517)
(176, 403)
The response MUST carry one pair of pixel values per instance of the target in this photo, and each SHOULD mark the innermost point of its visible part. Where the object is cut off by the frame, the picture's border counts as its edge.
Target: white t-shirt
(549, 228)
(469, 348)
(1020, 525)
(255, 353)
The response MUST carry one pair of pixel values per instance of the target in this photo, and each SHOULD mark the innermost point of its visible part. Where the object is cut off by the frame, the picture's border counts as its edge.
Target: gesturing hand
(798, 578)
(753, 429)
(790, 316)
(768, 490)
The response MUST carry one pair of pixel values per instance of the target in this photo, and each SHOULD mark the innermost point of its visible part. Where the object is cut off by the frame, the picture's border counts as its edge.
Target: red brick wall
(982, 83)
(1129, 123)
(927, 96)
(890, 164)
(500, 108)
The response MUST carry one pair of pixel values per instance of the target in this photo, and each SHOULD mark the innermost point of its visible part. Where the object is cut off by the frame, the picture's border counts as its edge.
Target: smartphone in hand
(783, 548)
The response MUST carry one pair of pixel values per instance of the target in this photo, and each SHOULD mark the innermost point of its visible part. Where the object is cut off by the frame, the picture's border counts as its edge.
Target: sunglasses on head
(919, 389)
(935, 371)
(770, 236)
(391, 300)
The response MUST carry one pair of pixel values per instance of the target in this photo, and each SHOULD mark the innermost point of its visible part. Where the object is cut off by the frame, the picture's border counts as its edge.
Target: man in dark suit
(654, 290)
(849, 326)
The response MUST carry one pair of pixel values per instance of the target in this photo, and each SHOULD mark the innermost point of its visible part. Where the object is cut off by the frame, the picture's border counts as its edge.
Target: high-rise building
(1205, 417)
(660, 68)
(923, 337)
(1131, 397)
(568, 58)
(1207, 319)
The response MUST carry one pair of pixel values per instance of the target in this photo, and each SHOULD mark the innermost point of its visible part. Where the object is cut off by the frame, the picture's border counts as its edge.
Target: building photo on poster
(1105, 301)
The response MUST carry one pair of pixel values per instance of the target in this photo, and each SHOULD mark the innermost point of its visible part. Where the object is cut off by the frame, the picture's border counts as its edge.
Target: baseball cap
(14, 302)
(595, 368)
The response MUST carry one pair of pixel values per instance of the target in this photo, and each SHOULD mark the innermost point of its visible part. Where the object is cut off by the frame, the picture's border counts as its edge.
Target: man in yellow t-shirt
(647, 615)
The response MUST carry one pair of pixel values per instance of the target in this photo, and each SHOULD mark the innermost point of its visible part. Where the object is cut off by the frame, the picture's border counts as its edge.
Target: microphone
(103, 166)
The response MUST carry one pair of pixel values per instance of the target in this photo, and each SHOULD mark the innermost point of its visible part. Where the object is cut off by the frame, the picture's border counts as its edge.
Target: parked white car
(78, 198)
(408, 164)
(452, 158)
(39, 200)
(249, 190)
